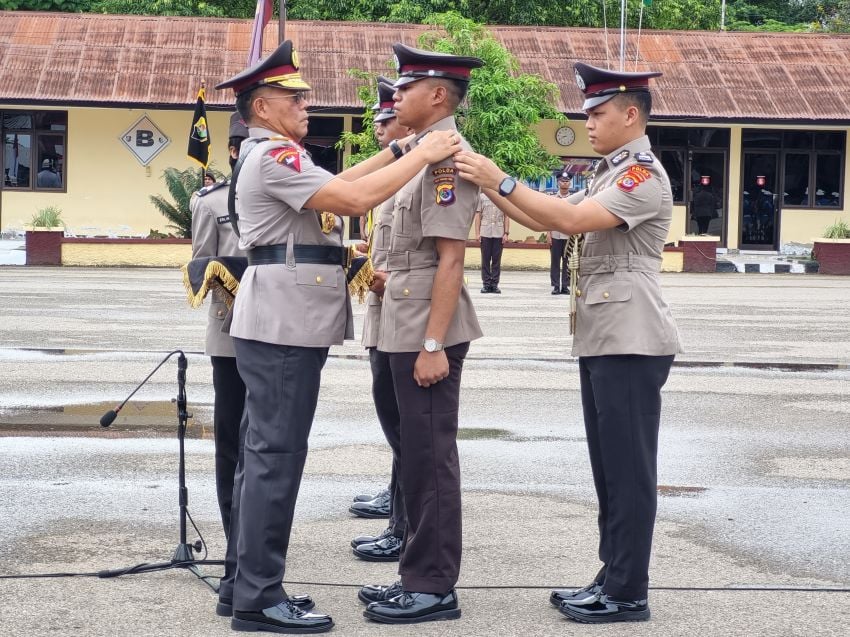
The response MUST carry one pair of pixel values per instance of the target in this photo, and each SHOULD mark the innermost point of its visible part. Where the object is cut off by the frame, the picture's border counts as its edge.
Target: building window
(34, 145)
(675, 145)
(812, 164)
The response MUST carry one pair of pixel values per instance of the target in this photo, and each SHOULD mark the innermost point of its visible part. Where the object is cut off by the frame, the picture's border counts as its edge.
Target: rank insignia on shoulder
(444, 185)
(620, 157)
(208, 189)
(633, 177)
(645, 157)
(287, 156)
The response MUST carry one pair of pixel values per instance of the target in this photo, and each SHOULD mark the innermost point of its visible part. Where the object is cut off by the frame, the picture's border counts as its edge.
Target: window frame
(35, 135)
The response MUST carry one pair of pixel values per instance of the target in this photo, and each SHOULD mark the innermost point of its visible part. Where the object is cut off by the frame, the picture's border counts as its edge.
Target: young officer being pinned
(625, 336)
(291, 307)
(427, 322)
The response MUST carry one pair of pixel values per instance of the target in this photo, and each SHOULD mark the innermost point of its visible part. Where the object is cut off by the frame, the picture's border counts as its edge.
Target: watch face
(565, 136)
(507, 186)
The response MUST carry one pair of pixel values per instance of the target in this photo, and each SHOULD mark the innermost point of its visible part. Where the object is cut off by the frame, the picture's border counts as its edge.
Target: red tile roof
(136, 60)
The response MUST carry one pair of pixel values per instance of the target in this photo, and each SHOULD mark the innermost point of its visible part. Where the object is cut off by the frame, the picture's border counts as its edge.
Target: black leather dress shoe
(365, 497)
(574, 596)
(412, 608)
(556, 290)
(368, 539)
(486, 290)
(605, 610)
(377, 508)
(224, 608)
(387, 549)
(565, 290)
(495, 290)
(284, 618)
(376, 593)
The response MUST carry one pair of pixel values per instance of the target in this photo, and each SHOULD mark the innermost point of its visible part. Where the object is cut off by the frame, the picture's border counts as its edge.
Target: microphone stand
(183, 556)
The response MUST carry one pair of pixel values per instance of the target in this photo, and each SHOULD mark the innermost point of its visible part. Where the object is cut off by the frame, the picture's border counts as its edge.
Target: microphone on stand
(109, 417)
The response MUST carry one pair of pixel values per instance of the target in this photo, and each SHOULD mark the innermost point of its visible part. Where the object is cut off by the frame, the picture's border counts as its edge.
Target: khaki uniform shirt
(381, 229)
(434, 204)
(492, 219)
(213, 236)
(619, 304)
(298, 304)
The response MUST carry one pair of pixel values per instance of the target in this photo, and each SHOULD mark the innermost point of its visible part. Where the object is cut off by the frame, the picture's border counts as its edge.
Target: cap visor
(295, 83)
(382, 117)
(591, 102)
(407, 79)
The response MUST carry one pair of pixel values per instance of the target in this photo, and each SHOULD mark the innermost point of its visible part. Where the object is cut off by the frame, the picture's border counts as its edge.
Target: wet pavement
(754, 463)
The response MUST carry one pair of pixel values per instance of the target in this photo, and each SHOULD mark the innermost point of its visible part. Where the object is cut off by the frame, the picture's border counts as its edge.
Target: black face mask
(232, 163)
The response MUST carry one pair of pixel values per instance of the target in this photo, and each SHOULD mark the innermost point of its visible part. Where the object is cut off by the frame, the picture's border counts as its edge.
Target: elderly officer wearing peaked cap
(625, 336)
(291, 307)
(427, 322)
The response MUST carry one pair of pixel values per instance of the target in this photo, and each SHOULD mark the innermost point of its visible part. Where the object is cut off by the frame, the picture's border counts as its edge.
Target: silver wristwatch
(431, 345)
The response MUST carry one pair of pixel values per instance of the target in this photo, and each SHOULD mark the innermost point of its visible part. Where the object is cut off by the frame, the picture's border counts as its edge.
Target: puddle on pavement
(679, 491)
(482, 433)
(155, 419)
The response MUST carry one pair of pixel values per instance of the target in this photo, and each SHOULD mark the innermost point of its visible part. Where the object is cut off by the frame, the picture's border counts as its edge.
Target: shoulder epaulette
(208, 189)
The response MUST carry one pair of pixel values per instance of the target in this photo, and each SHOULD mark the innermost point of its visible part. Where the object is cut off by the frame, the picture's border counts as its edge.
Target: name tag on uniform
(222, 219)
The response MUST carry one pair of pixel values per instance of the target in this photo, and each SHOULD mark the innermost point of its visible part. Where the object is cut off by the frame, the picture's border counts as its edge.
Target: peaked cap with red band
(600, 85)
(385, 105)
(278, 69)
(416, 64)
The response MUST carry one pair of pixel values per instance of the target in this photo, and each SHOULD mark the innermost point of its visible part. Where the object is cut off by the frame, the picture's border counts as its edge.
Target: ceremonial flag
(199, 136)
(261, 18)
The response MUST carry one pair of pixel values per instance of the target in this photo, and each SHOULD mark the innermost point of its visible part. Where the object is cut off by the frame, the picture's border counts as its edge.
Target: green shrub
(49, 217)
(838, 230)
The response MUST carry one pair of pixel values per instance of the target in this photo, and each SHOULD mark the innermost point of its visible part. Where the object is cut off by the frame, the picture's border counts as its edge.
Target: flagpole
(203, 170)
(281, 27)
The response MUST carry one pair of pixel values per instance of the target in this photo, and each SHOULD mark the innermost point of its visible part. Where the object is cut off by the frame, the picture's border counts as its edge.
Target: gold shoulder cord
(574, 246)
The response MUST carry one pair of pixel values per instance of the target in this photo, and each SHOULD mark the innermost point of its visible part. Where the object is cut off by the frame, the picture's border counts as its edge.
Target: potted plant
(832, 250)
(44, 237)
(699, 253)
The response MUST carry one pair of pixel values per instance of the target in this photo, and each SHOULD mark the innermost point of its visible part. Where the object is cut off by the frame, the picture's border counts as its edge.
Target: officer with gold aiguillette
(625, 337)
(291, 307)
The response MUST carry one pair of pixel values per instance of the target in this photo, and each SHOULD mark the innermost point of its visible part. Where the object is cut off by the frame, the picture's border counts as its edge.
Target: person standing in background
(491, 231)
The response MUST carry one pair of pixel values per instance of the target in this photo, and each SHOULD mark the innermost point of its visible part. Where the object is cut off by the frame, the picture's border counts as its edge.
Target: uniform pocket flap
(611, 292)
(321, 275)
(414, 287)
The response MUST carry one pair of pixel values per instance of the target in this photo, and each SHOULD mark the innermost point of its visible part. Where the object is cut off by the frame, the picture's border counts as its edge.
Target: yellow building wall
(132, 254)
(108, 189)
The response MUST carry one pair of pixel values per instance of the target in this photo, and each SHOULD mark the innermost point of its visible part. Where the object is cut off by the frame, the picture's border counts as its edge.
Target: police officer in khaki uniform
(213, 236)
(385, 547)
(491, 231)
(559, 273)
(625, 335)
(427, 322)
(291, 307)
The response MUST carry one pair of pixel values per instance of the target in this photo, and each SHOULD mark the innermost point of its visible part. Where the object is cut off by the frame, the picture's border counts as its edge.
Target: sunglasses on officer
(297, 97)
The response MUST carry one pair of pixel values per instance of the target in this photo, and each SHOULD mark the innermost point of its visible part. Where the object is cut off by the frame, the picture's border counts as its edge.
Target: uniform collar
(447, 123)
(614, 159)
(258, 132)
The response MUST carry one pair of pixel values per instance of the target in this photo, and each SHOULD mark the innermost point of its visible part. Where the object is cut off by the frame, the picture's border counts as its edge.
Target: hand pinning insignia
(633, 177)
(287, 156)
(619, 157)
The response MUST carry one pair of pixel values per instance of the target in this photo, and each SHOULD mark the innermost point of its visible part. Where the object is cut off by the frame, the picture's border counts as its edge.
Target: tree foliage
(181, 184)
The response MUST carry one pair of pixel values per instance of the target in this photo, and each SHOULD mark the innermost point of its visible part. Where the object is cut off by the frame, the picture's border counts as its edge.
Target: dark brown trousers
(430, 474)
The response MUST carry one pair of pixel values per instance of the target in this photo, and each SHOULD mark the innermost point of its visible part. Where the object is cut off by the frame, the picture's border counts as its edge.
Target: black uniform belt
(326, 255)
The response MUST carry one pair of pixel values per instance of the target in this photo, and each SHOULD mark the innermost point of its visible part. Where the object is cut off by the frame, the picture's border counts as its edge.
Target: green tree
(45, 5)
(502, 104)
(181, 184)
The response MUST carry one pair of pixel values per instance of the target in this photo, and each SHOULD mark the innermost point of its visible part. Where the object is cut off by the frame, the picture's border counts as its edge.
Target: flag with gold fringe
(204, 274)
(199, 135)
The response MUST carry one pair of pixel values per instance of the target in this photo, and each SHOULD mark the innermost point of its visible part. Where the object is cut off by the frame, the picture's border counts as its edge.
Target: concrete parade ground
(753, 531)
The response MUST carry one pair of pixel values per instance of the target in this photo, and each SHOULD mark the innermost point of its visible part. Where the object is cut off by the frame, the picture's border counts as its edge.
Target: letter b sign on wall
(145, 140)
